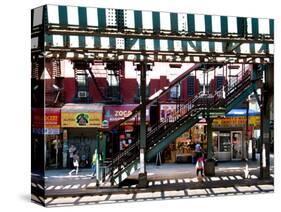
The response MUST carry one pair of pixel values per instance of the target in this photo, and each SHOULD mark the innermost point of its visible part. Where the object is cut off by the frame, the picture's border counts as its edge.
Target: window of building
(190, 86)
(175, 91)
(82, 84)
(113, 84)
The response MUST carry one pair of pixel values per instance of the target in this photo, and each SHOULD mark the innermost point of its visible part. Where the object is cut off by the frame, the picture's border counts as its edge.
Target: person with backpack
(200, 165)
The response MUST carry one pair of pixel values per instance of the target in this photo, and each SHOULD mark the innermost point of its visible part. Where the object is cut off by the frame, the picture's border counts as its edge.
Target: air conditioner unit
(82, 94)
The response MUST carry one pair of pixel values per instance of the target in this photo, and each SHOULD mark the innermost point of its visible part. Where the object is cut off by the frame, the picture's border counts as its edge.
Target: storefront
(80, 123)
(46, 122)
(129, 130)
(229, 136)
(182, 149)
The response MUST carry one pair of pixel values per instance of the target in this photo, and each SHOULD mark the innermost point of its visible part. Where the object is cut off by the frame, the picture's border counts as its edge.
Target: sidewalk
(164, 182)
(165, 171)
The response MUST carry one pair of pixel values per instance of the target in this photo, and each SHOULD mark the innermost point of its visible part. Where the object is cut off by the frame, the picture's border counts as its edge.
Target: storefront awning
(97, 107)
(242, 112)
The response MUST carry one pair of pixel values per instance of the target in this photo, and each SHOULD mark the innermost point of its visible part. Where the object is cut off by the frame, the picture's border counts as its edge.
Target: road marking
(223, 190)
(174, 193)
(215, 178)
(50, 187)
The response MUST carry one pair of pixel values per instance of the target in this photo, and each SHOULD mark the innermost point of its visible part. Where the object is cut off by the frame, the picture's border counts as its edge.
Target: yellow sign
(239, 121)
(81, 119)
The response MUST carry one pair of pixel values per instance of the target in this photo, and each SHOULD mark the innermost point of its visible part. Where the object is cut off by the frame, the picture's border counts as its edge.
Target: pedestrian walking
(200, 166)
(198, 151)
(75, 163)
(94, 163)
(71, 151)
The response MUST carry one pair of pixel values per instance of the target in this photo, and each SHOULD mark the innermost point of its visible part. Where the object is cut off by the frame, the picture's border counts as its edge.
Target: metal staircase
(127, 161)
(157, 95)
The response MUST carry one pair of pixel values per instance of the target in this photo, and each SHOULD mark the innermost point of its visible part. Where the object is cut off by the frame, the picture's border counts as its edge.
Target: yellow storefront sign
(81, 119)
(239, 121)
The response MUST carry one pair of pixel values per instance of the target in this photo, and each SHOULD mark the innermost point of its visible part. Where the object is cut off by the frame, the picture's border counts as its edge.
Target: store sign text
(81, 120)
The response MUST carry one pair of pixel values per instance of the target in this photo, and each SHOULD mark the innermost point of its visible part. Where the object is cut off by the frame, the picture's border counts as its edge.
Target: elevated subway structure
(144, 37)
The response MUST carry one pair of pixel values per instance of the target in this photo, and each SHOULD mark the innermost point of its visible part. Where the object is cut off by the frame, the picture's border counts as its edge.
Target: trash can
(210, 167)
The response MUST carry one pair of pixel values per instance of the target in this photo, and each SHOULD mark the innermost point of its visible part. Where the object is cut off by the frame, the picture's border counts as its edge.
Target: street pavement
(168, 181)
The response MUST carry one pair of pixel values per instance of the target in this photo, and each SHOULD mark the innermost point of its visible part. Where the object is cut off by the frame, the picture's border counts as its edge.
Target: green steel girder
(127, 171)
(246, 92)
(170, 137)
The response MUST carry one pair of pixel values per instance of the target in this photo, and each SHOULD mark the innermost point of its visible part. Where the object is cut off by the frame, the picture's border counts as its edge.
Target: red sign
(114, 113)
(46, 118)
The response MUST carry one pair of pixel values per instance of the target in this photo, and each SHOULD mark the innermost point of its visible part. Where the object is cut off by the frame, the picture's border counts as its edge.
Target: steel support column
(142, 173)
(210, 163)
(209, 138)
(265, 119)
(97, 160)
(247, 131)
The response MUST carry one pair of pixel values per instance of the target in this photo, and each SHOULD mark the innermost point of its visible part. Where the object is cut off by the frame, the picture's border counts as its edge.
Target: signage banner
(170, 112)
(46, 121)
(239, 121)
(81, 119)
(114, 113)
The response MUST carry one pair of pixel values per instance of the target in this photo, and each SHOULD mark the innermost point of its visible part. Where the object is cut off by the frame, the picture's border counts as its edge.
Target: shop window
(215, 139)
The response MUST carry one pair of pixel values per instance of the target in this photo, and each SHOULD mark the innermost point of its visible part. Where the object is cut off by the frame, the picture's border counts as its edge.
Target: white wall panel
(53, 14)
(34, 42)
(130, 19)
(72, 15)
(232, 24)
(182, 22)
(147, 20)
(165, 21)
(216, 23)
(199, 23)
(89, 41)
(37, 16)
(105, 42)
(264, 26)
(73, 41)
(58, 40)
(92, 16)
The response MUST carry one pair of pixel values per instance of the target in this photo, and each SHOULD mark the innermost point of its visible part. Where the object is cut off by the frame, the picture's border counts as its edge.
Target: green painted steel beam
(241, 26)
(63, 15)
(101, 18)
(224, 26)
(106, 21)
(127, 171)
(174, 22)
(241, 97)
(82, 13)
(255, 27)
(170, 138)
(191, 23)
(138, 21)
(156, 22)
(208, 24)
